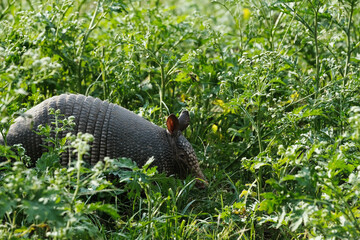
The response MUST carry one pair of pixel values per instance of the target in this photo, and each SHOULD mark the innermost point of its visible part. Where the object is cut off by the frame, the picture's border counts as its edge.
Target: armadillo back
(117, 131)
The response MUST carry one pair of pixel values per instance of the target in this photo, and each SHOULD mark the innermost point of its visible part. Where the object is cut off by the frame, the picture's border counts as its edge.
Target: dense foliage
(273, 88)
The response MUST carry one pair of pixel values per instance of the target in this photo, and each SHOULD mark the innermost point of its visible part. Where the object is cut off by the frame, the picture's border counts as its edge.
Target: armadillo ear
(184, 120)
(172, 124)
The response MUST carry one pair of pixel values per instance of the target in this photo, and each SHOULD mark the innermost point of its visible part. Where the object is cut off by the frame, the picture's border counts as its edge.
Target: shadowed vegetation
(272, 87)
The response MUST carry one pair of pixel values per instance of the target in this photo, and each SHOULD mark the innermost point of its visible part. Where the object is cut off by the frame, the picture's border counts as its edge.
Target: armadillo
(117, 132)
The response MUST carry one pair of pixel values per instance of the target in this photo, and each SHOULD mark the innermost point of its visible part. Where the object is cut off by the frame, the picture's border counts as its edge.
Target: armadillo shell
(117, 131)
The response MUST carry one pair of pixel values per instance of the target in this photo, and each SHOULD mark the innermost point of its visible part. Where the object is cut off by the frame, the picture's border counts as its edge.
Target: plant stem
(346, 69)
(317, 76)
(258, 122)
(258, 126)
(81, 50)
(162, 86)
(348, 29)
(149, 226)
(79, 160)
(317, 58)
(6, 10)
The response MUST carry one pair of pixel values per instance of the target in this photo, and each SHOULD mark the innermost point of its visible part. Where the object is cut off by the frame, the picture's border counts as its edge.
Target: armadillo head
(185, 159)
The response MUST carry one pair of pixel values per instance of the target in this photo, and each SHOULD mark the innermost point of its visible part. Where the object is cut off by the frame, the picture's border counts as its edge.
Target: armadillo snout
(201, 184)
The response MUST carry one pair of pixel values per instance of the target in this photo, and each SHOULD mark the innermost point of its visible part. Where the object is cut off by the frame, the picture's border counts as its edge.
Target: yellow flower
(246, 13)
(214, 128)
(183, 97)
(294, 96)
(244, 192)
(219, 102)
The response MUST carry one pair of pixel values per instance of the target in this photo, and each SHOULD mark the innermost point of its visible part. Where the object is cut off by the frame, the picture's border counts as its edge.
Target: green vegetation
(273, 88)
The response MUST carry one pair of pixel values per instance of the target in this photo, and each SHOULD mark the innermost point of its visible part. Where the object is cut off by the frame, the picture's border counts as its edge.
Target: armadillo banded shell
(117, 131)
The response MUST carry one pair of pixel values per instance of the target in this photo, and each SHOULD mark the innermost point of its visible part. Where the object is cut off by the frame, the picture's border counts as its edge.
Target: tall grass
(273, 92)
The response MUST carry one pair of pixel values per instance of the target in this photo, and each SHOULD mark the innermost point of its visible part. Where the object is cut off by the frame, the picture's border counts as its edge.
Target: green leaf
(288, 178)
(295, 225)
(125, 163)
(106, 208)
(43, 209)
(6, 203)
(267, 205)
(260, 164)
(48, 160)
